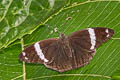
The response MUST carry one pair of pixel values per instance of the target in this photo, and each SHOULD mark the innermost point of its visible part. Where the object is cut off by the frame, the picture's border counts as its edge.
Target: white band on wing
(92, 37)
(39, 52)
(107, 31)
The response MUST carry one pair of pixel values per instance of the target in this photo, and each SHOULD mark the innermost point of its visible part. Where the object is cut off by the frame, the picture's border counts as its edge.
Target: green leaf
(42, 20)
(10, 66)
(116, 75)
(18, 18)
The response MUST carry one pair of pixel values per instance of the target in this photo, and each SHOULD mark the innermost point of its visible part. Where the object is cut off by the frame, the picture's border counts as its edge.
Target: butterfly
(67, 52)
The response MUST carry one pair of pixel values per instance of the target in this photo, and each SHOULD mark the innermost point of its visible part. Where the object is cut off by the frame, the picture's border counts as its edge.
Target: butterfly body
(67, 52)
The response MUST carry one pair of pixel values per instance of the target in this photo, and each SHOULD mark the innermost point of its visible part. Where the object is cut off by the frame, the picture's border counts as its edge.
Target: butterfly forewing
(91, 37)
(66, 53)
(38, 52)
(102, 35)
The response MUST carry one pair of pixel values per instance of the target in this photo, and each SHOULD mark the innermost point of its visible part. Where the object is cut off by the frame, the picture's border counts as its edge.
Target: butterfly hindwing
(81, 56)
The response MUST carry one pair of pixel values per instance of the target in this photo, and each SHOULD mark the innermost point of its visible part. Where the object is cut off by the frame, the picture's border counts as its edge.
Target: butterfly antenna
(53, 29)
(56, 29)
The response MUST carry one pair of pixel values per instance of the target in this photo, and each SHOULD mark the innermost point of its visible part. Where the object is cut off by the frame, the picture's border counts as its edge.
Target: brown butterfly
(67, 52)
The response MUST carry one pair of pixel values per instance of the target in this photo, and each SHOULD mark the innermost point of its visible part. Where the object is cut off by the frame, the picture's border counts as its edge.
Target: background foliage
(34, 20)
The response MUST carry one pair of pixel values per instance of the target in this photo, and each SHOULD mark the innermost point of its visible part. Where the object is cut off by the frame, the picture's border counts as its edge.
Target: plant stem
(81, 75)
(24, 72)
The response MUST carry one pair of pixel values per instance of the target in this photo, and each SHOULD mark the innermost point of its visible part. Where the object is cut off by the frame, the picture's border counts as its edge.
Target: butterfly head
(63, 37)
